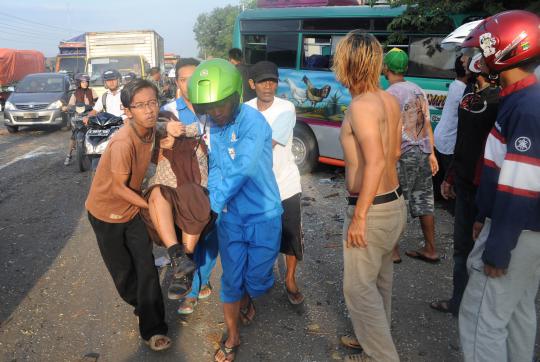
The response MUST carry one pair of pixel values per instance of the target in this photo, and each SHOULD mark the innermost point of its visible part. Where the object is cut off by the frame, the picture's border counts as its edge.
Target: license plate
(99, 132)
(30, 115)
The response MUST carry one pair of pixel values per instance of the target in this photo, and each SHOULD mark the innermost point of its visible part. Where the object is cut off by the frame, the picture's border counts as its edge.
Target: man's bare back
(371, 132)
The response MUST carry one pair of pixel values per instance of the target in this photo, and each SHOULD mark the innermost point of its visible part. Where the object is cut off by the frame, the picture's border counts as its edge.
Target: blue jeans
(465, 213)
(205, 257)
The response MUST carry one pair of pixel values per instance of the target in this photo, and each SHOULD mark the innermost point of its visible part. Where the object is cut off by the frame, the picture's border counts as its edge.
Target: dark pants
(127, 252)
(463, 242)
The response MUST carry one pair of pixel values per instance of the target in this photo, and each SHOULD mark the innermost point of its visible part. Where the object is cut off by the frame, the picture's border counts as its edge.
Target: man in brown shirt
(376, 215)
(113, 206)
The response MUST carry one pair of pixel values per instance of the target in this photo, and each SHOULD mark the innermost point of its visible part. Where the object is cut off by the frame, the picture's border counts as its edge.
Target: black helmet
(81, 77)
(129, 77)
(111, 74)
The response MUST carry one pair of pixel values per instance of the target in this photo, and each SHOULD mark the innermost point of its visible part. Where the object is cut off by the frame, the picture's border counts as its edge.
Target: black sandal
(244, 313)
(227, 351)
(442, 306)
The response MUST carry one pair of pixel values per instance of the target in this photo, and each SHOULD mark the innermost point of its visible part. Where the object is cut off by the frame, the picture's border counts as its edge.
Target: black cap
(263, 70)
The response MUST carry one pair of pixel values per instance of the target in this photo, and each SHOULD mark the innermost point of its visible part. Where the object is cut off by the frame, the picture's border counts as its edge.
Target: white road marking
(41, 150)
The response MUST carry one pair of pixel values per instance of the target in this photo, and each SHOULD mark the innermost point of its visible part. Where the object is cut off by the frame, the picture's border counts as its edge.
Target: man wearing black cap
(281, 116)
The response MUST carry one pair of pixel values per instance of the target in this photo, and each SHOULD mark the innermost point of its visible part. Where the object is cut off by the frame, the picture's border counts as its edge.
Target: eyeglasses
(142, 105)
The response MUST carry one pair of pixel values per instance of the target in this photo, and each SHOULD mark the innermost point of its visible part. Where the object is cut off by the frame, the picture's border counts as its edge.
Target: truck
(71, 56)
(126, 51)
(15, 65)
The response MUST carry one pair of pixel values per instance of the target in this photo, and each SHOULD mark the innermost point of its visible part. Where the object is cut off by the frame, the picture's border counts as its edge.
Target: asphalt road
(58, 303)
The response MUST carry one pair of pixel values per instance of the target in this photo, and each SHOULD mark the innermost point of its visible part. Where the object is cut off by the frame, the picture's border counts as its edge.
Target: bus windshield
(124, 64)
(72, 65)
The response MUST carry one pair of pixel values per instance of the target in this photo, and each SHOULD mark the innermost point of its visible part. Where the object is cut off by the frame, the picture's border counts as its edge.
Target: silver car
(38, 100)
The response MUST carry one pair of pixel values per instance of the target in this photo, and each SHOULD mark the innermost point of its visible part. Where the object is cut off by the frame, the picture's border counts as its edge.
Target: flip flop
(227, 351)
(295, 298)
(187, 307)
(152, 342)
(350, 341)
(419, 256)
(244, 313)
(206, 291)
(442, 306)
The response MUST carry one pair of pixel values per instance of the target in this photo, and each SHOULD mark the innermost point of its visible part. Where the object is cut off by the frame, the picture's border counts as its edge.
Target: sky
(42, 24)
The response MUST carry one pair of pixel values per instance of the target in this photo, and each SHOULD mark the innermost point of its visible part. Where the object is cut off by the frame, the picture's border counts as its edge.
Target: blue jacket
(242, 186)
(509, 191)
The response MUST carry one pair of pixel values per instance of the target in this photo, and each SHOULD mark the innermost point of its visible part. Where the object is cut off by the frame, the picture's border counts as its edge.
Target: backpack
(104, 101)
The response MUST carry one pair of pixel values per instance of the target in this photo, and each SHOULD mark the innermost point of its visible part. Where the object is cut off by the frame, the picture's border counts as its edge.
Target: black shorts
(292, 238)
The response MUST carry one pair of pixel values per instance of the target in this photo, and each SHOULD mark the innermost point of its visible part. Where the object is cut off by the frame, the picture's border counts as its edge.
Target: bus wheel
(304, 148)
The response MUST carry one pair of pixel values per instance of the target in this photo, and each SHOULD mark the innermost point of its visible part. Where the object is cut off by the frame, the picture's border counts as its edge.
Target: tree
(433, 15)
(213, 30)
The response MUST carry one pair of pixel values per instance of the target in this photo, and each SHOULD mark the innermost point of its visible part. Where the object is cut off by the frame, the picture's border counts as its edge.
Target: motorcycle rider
(110, 100)
(83, 94)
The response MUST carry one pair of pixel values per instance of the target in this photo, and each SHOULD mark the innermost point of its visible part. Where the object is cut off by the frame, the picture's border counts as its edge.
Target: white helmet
(456, 38)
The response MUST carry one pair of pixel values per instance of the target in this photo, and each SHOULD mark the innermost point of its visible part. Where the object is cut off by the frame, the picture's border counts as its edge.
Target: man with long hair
(376, 213)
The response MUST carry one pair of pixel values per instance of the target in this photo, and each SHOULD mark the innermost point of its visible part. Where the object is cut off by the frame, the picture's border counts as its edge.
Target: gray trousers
(497, 318)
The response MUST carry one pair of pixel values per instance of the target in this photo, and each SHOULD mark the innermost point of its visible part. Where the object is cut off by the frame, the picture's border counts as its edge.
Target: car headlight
(55, 105)
(9, 107)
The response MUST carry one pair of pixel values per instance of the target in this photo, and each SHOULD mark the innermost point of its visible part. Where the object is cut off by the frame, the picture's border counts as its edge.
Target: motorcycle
(79, 130)
(100, 129)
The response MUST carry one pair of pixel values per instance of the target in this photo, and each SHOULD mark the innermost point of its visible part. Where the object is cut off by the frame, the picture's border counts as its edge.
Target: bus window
(345, 24)
(317, 52)
(254, 48)
(269, 25)
(278, 48)
(428, 59)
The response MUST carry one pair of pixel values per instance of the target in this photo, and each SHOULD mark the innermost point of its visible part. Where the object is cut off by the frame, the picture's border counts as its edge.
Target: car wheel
(12, 129)
(305, 148)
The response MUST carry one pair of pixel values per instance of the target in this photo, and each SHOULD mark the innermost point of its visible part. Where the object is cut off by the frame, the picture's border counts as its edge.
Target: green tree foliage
(433, 15)
(213, 30)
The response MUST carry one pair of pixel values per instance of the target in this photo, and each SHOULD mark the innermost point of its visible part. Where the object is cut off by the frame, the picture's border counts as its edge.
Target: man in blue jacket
(497, 318)
(243, 193)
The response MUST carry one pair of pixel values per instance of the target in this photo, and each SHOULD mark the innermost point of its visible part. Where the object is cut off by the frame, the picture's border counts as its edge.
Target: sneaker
(67, 160)
(180, 287)
(182, 265)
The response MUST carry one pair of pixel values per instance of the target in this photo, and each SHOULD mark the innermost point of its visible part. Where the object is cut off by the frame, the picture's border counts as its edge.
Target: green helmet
(396, 60)
(213, 81)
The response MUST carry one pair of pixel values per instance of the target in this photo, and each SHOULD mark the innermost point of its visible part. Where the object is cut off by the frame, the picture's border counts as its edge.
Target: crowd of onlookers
(212, 172)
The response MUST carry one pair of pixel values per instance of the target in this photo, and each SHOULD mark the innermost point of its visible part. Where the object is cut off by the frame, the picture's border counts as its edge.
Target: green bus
(301, 41)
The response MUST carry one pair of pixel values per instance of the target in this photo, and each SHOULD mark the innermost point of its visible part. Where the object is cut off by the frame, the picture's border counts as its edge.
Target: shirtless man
(376, 215)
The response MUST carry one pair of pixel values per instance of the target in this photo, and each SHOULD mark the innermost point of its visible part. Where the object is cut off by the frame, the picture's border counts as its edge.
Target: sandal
(295, 298)
(244, 313)
(187, 306)
(228, 352)
(441, 306)
(153, 342)
(206, 291)
(350, 341)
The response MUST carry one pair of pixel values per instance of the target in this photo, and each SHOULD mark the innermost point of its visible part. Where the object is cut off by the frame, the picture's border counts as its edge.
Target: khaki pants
(368, 275)
(497, 318)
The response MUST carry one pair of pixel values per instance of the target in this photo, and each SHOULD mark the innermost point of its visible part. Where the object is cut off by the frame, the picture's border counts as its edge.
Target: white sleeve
(98, 107)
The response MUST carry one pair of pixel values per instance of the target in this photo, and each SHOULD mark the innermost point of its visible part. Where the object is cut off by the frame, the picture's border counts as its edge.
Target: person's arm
(427, 124)
(121, 158)
(120, 189)
(70, 104)
(94, 96)
(248, 149)
(364, 119)
(517, 191)
(283, 127)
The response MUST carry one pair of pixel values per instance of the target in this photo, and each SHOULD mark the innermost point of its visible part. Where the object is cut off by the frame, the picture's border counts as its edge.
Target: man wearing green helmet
(242, 191)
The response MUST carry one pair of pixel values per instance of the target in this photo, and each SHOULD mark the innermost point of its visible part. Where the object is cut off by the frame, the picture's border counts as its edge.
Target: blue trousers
(248, 253)
(205, 257)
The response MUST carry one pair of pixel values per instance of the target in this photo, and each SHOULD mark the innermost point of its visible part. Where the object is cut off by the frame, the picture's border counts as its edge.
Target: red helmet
(507, 39)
